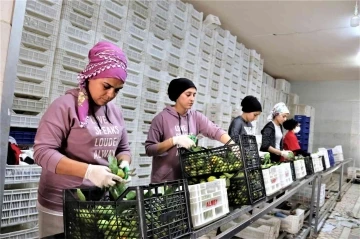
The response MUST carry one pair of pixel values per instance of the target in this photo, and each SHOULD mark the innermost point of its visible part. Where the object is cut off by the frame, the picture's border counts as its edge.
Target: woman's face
(252, 116)
(281, 118)
(187, 98)
(104, 90)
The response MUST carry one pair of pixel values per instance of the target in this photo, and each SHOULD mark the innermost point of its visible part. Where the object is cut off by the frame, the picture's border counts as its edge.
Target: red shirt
(291, 142)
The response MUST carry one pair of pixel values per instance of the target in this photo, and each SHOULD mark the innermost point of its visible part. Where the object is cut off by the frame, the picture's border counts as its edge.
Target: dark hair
(92, 105)
(290, 124)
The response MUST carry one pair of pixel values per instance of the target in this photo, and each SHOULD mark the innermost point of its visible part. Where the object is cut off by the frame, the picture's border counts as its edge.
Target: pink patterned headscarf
(106, 60)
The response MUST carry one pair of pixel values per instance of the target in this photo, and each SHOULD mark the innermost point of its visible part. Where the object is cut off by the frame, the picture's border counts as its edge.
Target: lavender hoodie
(59, 134)
(167, 124)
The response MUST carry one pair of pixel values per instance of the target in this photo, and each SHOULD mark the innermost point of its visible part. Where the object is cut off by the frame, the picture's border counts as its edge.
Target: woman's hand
(183, 141)
(101, 176)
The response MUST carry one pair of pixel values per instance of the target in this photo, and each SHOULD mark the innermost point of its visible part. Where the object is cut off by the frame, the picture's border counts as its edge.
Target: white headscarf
(279, 108)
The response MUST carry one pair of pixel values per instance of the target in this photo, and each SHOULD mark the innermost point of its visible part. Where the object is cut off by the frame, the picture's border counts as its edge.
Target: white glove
(285, 154)
(101, 176)
(183, 141)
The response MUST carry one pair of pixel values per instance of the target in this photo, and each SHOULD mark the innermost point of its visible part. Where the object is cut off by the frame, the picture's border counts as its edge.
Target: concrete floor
(350, 203)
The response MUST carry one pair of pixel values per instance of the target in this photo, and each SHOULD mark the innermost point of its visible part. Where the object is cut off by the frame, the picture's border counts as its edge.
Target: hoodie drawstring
(187, 118)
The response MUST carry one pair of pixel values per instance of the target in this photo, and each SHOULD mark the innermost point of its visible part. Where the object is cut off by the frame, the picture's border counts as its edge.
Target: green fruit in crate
(103, 225)
(202, 181)
(211, 178)
(80, 195)
(131, 195)
(113, 225)
(121, 173)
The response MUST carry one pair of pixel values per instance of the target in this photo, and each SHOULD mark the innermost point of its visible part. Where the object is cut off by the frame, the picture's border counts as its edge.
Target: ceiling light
(355, 20)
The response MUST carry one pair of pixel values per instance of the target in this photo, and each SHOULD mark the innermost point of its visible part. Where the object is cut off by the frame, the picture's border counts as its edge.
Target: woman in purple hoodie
(170, 129)
(77, 133)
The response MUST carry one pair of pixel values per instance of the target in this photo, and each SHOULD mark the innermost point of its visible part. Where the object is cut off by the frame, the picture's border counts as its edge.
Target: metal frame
(8, 88)
(313, 223)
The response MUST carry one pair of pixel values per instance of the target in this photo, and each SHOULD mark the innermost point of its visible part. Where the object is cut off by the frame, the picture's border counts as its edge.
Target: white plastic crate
(152, 85)
(173, 60)
(140, 7)
(19, 198)
(111, 33)
(144, 160)
(323, 152)
(140, 181)
(283, 85)
(135, 31)
(32, 73)
(305, 194)
(31, 89)
(82, 8)
(338, 153)
(158, 22)
(65, 76)
(300, 170)
(189, 55)
(131, 90)
(161, 11)
(31, 56)
(133, 55)
(74, 48)
(129, 114)
(317, 163)
(127, 102)
(150, 96)
(134, 77)
(131, 125)
(44, 10)
(271, 180)
(178, 9)
(136, 67)
(292, 223)
(154, 74)
(39, 26)
(136, 20)
(157, 41)
(70, 62)
(285, 175)
(148, 117)
(29, 105)
(31, 233)
(144, 127)
(22, 173)
(208, 202)
(26, 121)
(115, 9)
(151, 107)
(36, 41)
(78, 20)
(159, 31)
(19, 216)
(156, 52)
(175, 41)
(267, 227)
(142, 170)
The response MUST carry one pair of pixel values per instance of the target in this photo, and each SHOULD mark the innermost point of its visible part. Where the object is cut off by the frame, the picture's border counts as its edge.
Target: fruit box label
(211, 203)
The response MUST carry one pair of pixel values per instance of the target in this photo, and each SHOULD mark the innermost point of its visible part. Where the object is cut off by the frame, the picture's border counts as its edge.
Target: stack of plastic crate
(39, 35)
(255, 75)
(303, 135)
(236, 95)
(76, 38)
(203, 68)
(112, 22)
(220, 114)
(244, 68)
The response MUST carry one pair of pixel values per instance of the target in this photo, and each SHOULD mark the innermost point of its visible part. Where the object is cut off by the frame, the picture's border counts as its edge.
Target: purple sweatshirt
(167, 124)
(59, 134)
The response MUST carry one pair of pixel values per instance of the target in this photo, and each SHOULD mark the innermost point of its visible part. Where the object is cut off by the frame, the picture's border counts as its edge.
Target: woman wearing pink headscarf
(77, 133)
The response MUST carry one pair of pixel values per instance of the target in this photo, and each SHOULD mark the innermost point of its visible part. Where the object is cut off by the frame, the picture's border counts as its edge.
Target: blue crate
(23, 137)
(303, 141)
(302, 135)
(304, 130)
(331, 157)
(302, 119)
(304, 146)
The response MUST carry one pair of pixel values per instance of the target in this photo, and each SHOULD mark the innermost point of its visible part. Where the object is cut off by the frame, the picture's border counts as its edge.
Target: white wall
(337, 113)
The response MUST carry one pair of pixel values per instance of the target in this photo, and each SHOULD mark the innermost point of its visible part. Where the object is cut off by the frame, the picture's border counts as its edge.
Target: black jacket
(269, 139)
